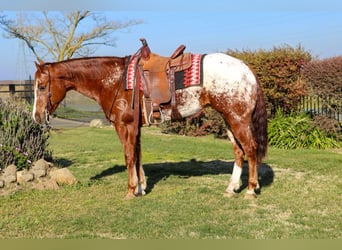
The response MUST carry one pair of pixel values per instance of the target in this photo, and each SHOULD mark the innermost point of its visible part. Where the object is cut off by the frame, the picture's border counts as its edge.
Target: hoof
(140, 190)
(250, 195)
(230, 194)
(140, 194)
(129, 196)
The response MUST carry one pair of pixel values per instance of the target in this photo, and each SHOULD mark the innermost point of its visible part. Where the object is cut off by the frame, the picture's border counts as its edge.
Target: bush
(297, 131)
(329, 126)
(279, 72)
(22, 141)
(324, 77)
(207, 121)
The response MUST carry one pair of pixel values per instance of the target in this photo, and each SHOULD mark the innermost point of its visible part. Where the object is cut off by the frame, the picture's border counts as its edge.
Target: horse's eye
(41, 88)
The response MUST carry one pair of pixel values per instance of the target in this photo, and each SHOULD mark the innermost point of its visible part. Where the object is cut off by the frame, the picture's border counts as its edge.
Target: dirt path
(58, 123)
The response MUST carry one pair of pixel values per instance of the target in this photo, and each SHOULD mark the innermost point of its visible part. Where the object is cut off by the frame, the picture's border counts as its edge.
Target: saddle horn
(145, 50)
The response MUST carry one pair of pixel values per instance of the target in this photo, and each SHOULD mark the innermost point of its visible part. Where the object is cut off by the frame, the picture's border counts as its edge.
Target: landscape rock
(47, 184)
(40, 168)
(24, 176)
(63, 176)
(42, 175)
(10, 174)
(96, 123)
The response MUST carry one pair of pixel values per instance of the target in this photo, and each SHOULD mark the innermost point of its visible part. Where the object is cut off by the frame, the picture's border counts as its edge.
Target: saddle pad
(192, 76)
(130, 74)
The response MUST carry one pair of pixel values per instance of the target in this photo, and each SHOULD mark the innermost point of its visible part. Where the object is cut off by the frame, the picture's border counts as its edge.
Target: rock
(51, 184)
(40, 168)
(10, 174)
(24, 176)
(47, 184)
(63, 176)
(96, 123)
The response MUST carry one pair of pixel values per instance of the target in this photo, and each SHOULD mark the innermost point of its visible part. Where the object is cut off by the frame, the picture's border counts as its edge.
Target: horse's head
(49, 91)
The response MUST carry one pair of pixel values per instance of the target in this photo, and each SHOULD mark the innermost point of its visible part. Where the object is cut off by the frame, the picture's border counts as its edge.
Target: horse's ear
(41, 62)
(37, 66)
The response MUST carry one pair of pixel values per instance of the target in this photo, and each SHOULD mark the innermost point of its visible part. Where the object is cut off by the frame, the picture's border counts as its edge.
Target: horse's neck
(85, 84)
(92, 79)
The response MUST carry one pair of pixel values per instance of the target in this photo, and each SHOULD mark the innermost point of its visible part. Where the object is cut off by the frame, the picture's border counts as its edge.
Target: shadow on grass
(156, 172)
(62, 162)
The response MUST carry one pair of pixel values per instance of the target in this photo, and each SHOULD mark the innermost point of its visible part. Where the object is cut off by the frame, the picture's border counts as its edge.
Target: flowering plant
(22, 141)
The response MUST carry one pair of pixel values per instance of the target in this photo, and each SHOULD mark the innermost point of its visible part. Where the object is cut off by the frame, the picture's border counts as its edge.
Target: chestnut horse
(229, 86)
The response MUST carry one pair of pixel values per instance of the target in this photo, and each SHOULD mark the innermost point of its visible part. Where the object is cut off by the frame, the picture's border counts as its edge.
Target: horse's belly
(188, 102)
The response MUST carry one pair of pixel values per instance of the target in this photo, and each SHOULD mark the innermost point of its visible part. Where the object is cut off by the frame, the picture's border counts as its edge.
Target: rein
(111, 106)
(135, 91)
(49, 103)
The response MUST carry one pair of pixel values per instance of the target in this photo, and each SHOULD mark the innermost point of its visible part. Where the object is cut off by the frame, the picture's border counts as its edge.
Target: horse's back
(226, 76)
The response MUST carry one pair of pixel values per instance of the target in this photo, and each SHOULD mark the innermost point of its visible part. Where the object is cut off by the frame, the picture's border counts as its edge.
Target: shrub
(207, 121)
(324, 77)
(279, 72)
(297, 131)
(22, 141)
(329, 126)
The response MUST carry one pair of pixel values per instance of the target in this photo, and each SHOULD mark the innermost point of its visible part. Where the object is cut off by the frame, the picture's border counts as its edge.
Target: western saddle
(158, 79)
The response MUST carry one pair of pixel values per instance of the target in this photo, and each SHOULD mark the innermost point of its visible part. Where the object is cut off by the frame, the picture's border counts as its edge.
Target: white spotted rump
(226, 74)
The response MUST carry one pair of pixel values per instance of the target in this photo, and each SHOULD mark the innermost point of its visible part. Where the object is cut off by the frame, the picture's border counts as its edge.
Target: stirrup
(151, 119)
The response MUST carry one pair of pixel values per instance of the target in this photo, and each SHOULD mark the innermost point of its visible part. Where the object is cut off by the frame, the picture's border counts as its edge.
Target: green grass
(186, 180)
(79, 115)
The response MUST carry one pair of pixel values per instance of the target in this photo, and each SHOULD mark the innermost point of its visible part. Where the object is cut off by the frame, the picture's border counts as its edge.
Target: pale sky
(203, 26)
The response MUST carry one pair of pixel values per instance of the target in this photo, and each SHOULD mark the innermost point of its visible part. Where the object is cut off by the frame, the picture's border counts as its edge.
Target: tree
(62, 35)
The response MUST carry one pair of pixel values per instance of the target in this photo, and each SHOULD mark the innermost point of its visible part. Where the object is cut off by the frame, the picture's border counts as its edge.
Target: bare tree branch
(61, 35)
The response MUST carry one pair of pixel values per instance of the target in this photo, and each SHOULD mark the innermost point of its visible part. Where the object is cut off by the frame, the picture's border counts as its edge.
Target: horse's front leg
(131, 145)
(141, 185)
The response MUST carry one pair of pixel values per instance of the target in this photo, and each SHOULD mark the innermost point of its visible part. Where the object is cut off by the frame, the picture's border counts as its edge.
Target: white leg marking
(139, 190)
(234, 182)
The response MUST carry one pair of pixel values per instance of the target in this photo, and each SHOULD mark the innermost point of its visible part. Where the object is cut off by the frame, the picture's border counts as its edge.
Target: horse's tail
(259, 124)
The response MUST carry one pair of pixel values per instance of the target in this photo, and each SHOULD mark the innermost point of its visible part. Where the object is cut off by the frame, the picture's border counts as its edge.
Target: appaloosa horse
(229, 86)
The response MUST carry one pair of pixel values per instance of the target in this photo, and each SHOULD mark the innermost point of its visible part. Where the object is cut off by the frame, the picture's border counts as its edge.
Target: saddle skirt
(191, 76)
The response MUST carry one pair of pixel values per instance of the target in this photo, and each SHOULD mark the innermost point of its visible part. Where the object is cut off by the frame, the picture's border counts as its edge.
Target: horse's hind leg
(244, 136)
(234, 183)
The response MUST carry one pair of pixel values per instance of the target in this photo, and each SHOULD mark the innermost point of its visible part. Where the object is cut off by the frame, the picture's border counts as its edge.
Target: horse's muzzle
(40, 118)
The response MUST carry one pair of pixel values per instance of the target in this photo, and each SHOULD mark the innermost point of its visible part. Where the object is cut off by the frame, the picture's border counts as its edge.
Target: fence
(323, 106)
(17, 89)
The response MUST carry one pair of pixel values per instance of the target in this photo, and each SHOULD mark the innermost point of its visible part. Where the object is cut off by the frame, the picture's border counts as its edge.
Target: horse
(229, 86)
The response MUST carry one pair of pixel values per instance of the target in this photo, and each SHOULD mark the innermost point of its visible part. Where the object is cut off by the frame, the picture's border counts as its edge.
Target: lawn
(301, 197)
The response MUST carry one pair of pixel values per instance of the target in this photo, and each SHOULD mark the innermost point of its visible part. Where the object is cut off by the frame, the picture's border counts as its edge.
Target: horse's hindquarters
(228, 79)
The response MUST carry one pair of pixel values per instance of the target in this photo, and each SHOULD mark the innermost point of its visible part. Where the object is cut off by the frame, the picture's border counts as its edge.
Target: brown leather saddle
(158, 78)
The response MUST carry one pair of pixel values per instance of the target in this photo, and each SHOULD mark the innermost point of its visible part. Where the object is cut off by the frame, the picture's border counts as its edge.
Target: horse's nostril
(37, 118)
